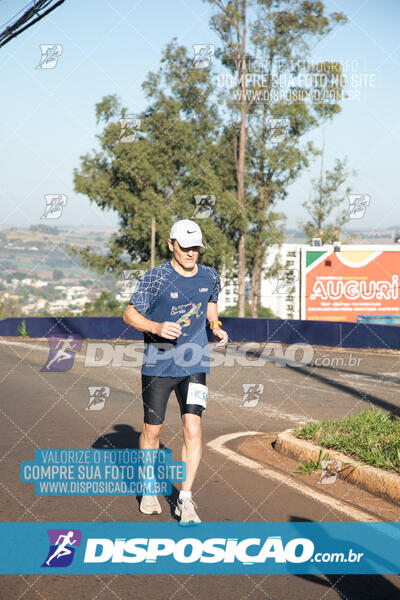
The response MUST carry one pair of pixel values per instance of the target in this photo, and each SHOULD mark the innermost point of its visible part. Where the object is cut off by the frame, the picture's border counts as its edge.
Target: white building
(79, 301)
(76, 290)
(229, 292)
(58, 305)
(279, 292)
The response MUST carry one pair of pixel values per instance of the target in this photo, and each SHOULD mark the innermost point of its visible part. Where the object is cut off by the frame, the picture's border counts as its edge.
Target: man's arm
(212, 315)
(167, 329)
(212, 311)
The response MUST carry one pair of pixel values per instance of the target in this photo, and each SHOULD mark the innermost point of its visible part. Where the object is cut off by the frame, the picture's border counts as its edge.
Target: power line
(29, 18)
(18, 13)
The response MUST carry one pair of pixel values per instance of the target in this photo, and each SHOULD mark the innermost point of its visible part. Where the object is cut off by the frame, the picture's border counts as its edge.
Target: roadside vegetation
(371, 436)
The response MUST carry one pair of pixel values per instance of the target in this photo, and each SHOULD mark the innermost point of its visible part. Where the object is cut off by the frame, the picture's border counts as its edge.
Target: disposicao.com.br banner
(224, 548)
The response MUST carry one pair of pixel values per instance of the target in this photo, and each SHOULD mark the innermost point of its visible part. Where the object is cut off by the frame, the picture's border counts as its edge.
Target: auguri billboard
(355, 280)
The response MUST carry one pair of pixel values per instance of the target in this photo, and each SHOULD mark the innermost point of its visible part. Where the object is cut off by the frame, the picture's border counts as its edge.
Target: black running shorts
(156, 392)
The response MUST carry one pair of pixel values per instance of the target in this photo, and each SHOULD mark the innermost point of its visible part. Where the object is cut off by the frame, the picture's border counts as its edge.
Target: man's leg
(150, 440)
(155, 392)
(192, 448)
(150, 437)
(191, 454)
(192, 445)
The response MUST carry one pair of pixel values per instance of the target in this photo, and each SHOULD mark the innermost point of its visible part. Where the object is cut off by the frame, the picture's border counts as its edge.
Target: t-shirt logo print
(194, 310)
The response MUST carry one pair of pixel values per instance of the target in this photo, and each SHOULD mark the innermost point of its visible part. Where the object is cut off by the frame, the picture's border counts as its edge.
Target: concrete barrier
(377, 481)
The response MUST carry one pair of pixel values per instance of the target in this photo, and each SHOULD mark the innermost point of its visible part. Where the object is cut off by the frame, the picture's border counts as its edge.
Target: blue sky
(47, 116)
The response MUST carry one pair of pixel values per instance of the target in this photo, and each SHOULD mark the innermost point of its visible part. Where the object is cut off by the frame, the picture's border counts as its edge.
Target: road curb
(374, 480)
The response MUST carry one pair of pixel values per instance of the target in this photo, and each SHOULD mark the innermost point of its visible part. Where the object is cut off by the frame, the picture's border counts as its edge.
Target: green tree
(10, 308)
(278, 31)
(195, 140)
(45, 229)
(328, 194)
(104, 306)
(58, 274)
(177, 154)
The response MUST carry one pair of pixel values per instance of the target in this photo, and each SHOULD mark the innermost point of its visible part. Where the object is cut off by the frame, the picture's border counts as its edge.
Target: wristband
(213, 323)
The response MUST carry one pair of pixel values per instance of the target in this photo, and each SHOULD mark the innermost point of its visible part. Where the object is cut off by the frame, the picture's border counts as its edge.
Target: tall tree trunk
(263, 201)
(263, 198)
(153, 243)
(321, 177)
(258, 252)
(241, 60)
(255, 284)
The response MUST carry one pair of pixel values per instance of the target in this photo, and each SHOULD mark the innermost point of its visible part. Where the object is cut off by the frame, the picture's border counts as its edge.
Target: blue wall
(322, 333)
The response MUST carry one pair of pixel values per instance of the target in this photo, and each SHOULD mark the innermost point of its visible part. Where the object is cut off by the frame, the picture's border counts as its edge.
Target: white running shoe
(185, 509)
(149, 505)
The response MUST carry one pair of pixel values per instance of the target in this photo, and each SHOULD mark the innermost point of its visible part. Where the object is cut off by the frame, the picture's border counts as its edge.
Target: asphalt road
(47, 410)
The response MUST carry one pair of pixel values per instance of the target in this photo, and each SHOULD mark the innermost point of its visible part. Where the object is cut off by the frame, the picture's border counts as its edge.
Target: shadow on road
(364, 396)
(388, 377)
(125, 436)
(352, 587)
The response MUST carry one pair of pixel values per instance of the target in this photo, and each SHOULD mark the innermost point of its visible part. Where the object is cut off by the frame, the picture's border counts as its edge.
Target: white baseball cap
(187, 233)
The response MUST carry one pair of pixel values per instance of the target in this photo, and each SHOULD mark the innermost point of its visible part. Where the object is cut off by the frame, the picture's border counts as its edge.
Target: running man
(62, 549)
(176, 297)
(62, 347)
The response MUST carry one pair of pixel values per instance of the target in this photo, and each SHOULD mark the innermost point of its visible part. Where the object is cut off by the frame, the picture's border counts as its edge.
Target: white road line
(390, 374)
(25, 344)
(218, 446)
(264, 409)
(44, 348)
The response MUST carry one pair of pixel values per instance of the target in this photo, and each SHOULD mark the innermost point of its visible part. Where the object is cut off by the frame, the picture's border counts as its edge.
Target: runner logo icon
(98, 396)
(62, 352)
(61, 551)
(251, 394)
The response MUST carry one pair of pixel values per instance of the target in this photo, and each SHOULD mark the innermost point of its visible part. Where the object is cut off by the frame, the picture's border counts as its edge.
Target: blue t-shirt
(165, 295)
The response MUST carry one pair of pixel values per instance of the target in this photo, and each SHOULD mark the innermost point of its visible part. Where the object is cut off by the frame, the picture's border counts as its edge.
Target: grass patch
(22, 330)
(312, 465)
(372, 436)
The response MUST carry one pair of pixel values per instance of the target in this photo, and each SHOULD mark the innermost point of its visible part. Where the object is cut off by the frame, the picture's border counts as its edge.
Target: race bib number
(197, 394)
